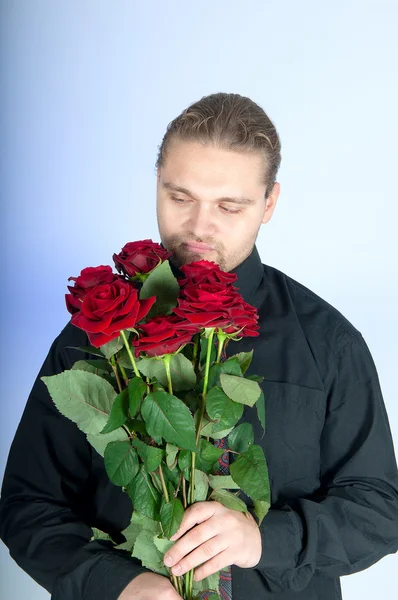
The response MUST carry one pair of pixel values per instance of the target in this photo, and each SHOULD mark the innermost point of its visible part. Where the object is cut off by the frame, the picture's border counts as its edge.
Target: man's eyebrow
(235, 199)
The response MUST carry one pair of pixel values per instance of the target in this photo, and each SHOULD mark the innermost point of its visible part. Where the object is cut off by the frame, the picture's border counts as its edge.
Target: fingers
(197, 536)
(218, 562)
(195, 514)
(204, 553)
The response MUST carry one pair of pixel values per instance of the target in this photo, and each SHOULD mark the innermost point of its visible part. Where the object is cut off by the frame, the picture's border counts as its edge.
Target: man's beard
(182, 256)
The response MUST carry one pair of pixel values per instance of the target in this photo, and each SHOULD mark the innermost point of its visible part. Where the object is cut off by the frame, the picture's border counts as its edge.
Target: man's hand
(222, 537)
(148, 586)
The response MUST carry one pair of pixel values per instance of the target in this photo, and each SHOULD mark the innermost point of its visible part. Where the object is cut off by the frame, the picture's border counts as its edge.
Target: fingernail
(168, 560)
(176, 569)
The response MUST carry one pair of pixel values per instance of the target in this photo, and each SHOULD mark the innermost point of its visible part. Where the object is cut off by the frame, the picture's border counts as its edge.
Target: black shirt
(328, 445)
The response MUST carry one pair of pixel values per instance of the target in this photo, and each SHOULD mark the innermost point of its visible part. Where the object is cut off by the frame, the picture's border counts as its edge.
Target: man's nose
(201, 221)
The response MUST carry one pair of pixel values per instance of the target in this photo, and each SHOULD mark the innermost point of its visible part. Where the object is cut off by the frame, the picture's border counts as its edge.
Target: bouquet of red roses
(158, 388)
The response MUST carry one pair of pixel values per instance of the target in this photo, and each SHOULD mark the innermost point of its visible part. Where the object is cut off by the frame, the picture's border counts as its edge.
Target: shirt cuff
(110, 576)
(281, 538)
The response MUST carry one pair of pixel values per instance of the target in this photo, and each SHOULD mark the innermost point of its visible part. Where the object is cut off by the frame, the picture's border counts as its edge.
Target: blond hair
(231, 122)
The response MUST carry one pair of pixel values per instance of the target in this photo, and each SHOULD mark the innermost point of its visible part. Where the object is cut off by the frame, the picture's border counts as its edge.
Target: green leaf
(170, 489)
(162, 284)
(119, 412)
(171, 475)
(123, 358)
(241, 438)
(201, 486)
(100, 441)
(183, 376)
(137, 524)
(171, 515)
(136, 390)
(192, 399)
(245, 359)
(157, 483)
(261, 410)
(145, 550)
(222, 409)
(109, 349)
(257, 378)
(251, 473)
(151, 456)
(163, 544)
(229, 500)
(91, 366)
(229, 367)
(209, 583)
(153, 368)
(145, 497)
(209, 429)
(224, 482)
(208, 455)
(100, 535)
(171, 456)
(240, 389)
(121, 462)
(137, 425)
(84, 398)
(184, 462)
(261, 507)
(167, 416)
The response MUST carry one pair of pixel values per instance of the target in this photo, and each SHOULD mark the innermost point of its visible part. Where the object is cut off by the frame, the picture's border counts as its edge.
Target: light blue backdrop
(87, 90)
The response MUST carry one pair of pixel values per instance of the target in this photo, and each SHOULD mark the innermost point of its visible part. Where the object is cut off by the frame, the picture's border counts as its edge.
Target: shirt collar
(250, 273)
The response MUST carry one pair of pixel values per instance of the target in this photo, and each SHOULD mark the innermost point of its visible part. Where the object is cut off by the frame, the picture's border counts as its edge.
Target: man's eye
(223, 208)
(231, 212)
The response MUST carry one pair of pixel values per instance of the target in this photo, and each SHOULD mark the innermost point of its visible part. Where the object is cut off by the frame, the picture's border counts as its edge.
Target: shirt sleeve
(46, 477)
(352, 521)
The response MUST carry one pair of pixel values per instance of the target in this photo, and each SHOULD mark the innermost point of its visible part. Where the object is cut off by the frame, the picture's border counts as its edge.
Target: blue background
(87, 90)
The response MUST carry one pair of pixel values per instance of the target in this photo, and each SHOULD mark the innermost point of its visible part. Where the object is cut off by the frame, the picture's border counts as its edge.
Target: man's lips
(198, 247)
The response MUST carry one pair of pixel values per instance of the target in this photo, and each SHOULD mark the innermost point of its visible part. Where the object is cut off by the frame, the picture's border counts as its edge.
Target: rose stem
(184, 492)
(164, 488)
(126, 343)
(114, 368)
(176, 583)
(205, 384)
(202, 410)
(167, 361)
(124, 374)
(196, 356)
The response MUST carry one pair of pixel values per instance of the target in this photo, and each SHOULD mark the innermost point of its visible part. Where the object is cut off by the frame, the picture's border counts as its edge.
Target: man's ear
(271, 202)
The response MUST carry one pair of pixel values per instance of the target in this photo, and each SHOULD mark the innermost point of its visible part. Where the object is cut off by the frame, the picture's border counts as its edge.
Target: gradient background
(87, 90)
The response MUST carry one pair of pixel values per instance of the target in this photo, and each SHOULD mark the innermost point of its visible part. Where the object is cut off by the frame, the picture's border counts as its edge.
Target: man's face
(224, 230)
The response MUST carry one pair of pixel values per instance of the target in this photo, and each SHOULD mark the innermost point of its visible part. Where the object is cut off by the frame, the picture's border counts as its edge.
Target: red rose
(163, 335)
(217, 305)
(139, 257)
(108, 308)
(88, 278)
(205, 271)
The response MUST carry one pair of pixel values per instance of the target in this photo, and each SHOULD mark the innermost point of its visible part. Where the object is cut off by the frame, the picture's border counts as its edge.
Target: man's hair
(230, 122)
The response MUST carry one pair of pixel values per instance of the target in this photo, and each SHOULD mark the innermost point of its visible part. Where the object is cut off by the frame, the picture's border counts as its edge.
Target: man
(333, 473)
